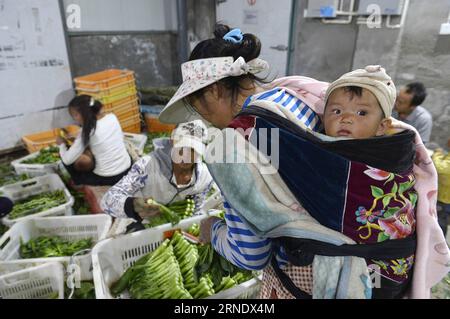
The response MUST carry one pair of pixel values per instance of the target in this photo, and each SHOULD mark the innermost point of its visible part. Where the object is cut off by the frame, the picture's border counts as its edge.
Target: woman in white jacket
(170, 173)
(98, 155)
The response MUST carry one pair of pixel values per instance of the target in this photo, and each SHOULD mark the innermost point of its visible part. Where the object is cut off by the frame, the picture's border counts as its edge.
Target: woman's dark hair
(249, 49)
(88, 108)
(417, 89)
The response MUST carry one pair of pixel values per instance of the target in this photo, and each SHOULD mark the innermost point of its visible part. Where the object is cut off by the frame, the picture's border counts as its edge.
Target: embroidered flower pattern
(377, 174)
(400, 267)
(401, 224)
(364, 215)
(391, 216)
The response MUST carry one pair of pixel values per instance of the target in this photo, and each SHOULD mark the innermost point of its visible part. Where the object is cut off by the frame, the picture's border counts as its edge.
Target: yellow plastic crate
(114, 90)
(126, 111)
(107, 107)
(113, 98)
(35, 142)
(132, 125)
(104, 79)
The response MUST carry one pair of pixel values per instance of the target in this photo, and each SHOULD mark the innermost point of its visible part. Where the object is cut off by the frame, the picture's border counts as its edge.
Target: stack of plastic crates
(116, 89)
(37, 141)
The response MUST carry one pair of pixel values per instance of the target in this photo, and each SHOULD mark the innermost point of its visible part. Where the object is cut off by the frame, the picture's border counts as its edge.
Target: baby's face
(349, 115)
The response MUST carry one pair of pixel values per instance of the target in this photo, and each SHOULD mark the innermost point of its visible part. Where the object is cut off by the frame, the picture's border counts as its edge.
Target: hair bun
(220, 30)
(250, 48)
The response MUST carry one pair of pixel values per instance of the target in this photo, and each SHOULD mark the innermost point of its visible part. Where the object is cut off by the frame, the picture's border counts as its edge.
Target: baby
(359, 104)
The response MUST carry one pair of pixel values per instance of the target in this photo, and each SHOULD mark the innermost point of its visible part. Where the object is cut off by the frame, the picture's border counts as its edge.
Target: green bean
(43, 247)
(37, 203)
(46, 155)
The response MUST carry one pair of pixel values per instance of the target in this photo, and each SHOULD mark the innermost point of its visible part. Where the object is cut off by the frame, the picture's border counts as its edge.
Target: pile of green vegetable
(8, 176)
(3, 229)
(43, 247)
(171, 213)
(5, 166)
(11, 179)
(37, 203)
(47, 155)
(149, 147)
(155, 275)
(80, 206)
(86, 291)
(178, 269)
(194, 230)
(53, 295)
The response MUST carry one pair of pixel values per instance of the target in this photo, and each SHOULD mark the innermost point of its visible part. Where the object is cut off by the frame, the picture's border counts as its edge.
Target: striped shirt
(238, 244)
(289, 102)
(232, 238)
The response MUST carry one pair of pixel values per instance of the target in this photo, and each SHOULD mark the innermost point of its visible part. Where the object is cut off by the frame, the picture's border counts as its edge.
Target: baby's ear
(384, 126)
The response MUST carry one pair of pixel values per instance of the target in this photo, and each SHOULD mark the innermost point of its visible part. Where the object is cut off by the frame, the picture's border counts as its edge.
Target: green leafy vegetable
(179, 269)
(46, 155)
(148, 148)
(37, 203)
(86, 291)
(43, 247)
(171, 213)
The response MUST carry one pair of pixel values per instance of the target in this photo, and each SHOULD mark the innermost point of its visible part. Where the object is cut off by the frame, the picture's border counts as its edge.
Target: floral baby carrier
(363, 189)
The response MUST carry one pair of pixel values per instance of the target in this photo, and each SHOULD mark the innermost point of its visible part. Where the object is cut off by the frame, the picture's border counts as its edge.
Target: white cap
(373, 78)
(191, 134)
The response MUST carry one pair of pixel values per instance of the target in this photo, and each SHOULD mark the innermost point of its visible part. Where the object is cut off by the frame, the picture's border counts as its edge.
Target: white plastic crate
(33, 170)
(112, 257)
(138, 141)
(210, 207)
(247, 290)
(40, 282)
(119, 226)
(68, 227)
(34, 186)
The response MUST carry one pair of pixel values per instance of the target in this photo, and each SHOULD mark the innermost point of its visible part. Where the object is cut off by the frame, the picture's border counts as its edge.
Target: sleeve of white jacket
(69, 156)
(117, 202)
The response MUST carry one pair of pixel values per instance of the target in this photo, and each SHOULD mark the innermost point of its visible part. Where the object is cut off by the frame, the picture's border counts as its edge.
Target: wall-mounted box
(321, 9)
(445, 28)
(384, 7)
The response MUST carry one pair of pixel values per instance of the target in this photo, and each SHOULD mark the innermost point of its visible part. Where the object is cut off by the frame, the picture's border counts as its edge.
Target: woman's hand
(145, 210)
(206, 227)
